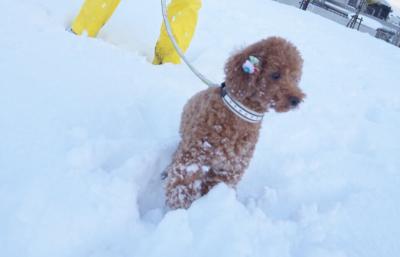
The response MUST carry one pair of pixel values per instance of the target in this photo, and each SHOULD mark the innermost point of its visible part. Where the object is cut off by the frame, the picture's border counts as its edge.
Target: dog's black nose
(294, 101)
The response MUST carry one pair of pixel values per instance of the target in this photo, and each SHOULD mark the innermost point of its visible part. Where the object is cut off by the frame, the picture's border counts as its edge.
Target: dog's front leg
(184, 180)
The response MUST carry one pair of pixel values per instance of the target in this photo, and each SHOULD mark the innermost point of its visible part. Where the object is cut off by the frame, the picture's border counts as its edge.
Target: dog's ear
(243, 70)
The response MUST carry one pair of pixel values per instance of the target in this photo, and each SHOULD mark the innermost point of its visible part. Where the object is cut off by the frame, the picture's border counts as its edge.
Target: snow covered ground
(87, 126)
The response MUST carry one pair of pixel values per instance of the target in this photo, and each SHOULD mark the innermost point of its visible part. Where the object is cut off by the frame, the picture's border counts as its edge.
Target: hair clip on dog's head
(250, 66)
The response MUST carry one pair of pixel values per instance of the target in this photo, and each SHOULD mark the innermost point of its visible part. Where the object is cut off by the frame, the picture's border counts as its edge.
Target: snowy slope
(87, 126)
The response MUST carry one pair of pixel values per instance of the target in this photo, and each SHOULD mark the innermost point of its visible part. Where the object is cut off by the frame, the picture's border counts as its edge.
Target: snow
(192, 168)
(206, 145)
(394, 18)
(374, 24)
(205, 168)
(337, 7)
(88, 125)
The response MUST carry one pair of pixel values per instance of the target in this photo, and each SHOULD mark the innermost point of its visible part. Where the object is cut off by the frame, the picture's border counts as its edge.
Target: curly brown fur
(217, 145)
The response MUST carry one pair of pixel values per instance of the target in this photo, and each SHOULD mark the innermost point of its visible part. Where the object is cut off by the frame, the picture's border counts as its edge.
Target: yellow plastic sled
(182, 15)
(92, 16)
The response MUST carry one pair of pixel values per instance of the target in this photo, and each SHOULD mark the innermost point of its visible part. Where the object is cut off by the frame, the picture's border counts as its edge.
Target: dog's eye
(275, 75)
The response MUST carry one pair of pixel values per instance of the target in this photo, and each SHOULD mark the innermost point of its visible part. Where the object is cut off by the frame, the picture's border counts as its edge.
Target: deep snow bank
(87, 125)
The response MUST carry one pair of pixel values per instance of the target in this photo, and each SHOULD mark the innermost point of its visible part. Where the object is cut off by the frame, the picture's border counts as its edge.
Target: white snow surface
(88, 125)
(372, 23)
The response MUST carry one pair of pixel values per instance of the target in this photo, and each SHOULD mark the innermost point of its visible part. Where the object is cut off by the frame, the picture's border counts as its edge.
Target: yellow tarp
(93, 15)
(182, 15)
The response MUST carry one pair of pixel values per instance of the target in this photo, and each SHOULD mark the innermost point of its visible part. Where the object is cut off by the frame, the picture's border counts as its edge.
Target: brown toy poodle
(220, 126)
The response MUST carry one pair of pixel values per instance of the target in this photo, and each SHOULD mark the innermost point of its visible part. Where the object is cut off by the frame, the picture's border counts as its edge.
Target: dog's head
(266, 75)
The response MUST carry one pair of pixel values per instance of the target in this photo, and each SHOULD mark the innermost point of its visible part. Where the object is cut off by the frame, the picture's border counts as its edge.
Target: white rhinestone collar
(240, 110)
